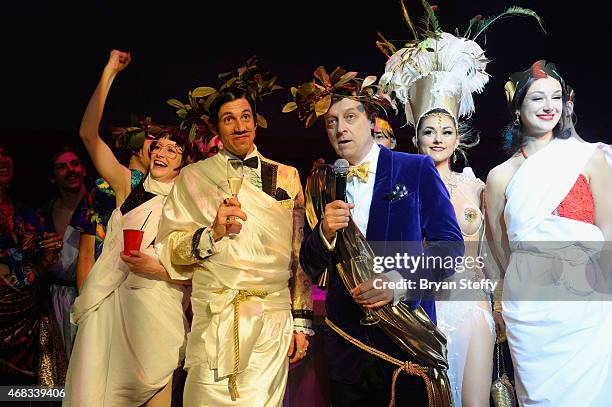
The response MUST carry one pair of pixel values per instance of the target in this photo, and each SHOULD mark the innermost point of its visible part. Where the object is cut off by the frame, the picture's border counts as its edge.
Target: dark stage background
(53, 55)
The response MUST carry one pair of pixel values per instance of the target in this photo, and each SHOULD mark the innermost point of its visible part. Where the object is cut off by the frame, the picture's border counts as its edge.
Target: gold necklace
(450, 181)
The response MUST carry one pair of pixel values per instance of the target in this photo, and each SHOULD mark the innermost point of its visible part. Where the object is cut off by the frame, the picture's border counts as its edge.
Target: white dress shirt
(364, 191)
(249, 173)
(360, 193)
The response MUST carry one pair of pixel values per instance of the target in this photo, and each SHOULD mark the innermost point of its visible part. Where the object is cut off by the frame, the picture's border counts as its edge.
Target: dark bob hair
(190, 153)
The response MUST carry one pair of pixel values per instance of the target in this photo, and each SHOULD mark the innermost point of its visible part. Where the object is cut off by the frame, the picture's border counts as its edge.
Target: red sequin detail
(578, 204)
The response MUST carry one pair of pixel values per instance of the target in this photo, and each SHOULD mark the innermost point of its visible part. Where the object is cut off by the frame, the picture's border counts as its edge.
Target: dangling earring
(517, 121)
(454, 157)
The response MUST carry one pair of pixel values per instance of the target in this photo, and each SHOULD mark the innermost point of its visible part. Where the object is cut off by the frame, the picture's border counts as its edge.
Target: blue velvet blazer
(422, 210)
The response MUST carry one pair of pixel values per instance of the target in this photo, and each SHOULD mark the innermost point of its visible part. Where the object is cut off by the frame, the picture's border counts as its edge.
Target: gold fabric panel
(180, 247)
(288, 179)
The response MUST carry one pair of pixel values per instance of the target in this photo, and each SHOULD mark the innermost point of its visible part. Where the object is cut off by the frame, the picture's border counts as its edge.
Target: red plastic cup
(132, 238)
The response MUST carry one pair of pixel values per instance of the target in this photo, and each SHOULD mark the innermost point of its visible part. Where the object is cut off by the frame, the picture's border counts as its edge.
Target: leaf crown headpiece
(314, 98)
(195, 113)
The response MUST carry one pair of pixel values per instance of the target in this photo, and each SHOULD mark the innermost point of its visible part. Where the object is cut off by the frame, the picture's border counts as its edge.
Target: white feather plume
(460, 63)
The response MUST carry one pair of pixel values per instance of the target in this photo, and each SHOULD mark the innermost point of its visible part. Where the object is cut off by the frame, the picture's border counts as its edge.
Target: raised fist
(118, 61)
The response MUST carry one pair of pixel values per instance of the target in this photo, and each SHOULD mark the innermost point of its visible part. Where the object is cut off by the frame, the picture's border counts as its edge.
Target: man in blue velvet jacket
(422, 211)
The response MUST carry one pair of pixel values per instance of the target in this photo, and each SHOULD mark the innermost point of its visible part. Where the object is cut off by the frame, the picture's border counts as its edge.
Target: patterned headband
(538, 70)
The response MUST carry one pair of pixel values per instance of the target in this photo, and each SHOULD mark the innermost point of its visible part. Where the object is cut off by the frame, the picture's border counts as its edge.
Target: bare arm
(495, 202)
(144, 264)
(85, 260)
(102, 156)
(491, 267)
(600, 180)
(496, 240)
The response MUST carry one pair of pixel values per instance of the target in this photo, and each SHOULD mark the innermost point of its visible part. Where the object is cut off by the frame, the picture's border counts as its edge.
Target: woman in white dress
(435, 87)
(130, 314)
(549, 209)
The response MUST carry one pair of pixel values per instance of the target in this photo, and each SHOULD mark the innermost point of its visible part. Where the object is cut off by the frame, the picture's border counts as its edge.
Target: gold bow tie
(361, 171)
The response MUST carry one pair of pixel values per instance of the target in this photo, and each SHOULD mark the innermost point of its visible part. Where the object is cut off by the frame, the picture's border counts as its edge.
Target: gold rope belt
(242, 295)
(408, 367)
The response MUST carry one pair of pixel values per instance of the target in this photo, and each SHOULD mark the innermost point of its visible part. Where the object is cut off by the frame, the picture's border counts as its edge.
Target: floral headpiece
(195, 114)
(438, 70)
(538, 70)
(313, 99)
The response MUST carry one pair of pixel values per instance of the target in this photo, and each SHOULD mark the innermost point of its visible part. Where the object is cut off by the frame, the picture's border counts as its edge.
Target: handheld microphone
(341, 167)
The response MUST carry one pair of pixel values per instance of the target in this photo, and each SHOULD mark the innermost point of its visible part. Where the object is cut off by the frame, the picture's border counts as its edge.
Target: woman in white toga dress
(130, 314)
(550, 211)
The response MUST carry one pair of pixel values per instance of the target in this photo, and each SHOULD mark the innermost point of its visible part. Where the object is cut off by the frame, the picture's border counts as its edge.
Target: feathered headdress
(438, 70)
(313, 99)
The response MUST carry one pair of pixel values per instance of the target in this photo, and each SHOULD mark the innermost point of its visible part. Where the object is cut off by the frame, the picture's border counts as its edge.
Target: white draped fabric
(62, 296)
(258, 258)
(607, 150)
(131, 329)
(558, 327)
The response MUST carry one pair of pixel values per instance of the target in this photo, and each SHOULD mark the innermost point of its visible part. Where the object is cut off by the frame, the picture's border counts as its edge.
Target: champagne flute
(235, 174)
(362, 271)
